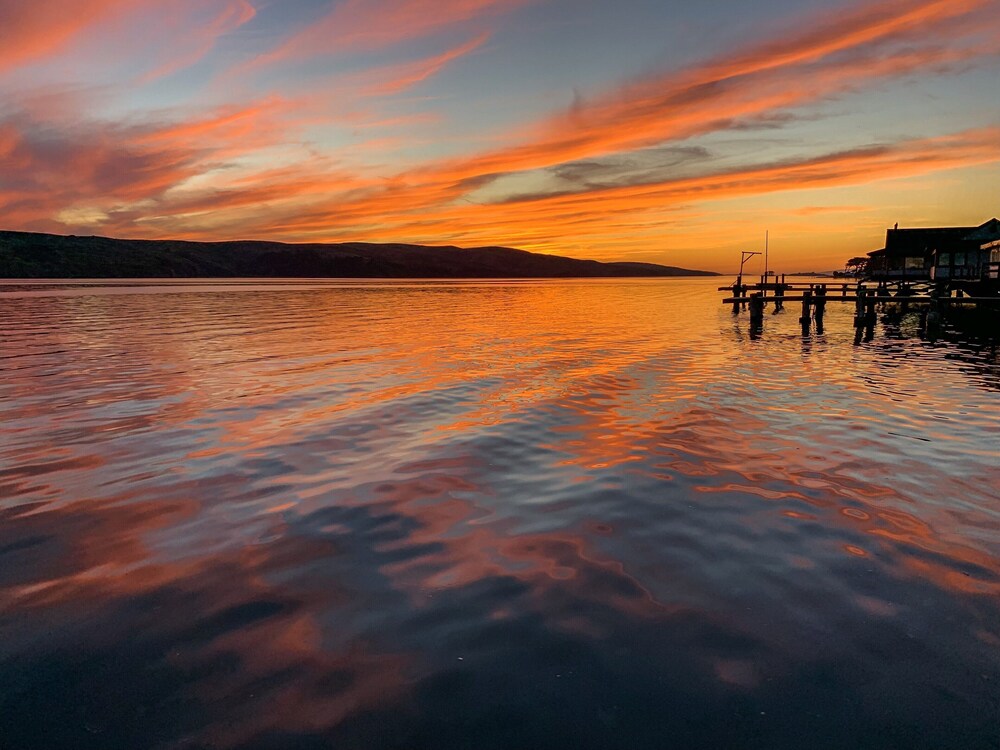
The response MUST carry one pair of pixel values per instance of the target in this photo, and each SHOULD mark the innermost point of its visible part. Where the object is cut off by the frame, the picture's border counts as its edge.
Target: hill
(28, 255)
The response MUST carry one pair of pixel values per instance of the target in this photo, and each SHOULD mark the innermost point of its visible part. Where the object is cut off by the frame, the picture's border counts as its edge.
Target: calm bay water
(580, 514)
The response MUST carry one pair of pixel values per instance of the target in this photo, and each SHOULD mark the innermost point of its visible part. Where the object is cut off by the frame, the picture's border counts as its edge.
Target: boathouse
(934, 253)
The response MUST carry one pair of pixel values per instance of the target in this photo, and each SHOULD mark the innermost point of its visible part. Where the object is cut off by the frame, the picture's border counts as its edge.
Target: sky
(638, 130)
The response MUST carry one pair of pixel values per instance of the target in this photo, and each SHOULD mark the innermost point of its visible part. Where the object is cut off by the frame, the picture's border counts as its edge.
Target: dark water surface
(561, 514)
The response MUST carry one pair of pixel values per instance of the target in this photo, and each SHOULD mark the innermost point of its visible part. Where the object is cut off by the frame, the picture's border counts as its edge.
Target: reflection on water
(489, 515)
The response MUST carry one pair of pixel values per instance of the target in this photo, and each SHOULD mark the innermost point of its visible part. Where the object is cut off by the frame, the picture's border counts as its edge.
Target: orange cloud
(398, 213)
(765, 79)
(365, 25)
(837, 32)
(92, 169)
(402, 77)
(33, 30)
(226, 124)
(184, 178)
(187, 29)
(197, 40)
(718, 95)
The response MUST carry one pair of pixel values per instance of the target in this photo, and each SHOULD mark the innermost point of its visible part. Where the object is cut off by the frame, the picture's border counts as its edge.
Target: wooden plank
(793, 287)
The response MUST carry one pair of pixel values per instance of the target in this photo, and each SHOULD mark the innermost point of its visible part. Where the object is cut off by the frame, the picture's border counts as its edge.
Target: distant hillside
(26, 255)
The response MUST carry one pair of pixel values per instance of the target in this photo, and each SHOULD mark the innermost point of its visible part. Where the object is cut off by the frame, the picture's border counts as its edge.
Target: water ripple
(489, 514)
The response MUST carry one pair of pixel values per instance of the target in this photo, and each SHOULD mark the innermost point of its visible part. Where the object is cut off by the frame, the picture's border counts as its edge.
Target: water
(580, 514)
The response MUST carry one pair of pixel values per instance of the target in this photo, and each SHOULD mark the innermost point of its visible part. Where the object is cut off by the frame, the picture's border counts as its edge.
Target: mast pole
(766, 234)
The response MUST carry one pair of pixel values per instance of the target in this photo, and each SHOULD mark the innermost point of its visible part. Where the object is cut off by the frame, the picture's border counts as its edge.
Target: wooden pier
(932, 299)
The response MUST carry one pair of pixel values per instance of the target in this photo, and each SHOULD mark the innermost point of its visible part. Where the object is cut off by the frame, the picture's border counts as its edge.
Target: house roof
(921, 242)
(986, 232)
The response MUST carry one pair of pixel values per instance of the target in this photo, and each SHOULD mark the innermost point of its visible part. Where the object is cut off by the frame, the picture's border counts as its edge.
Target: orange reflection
(304, 486)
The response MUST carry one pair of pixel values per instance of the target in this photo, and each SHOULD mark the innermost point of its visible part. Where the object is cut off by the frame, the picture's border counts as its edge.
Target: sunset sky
(645, 130)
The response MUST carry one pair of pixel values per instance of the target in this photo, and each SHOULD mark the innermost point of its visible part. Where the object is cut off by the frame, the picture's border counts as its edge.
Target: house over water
(938, 253)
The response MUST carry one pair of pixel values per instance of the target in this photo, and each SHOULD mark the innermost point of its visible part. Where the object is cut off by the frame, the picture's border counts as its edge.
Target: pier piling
(819, 307)
(805, 319)
(756, 313)
(859, 314)
(737, 293)
(870, 317)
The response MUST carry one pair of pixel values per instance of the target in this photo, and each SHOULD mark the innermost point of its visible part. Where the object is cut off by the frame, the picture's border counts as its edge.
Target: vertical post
(805, 319)
(779, 292)
(870, 317)
(859, 314)
(737, 288)
(756, 314)
(819, 306)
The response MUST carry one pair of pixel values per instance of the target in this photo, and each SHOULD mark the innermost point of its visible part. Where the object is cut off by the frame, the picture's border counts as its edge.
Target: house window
(914, 264)
(944, 259)
(959, 259)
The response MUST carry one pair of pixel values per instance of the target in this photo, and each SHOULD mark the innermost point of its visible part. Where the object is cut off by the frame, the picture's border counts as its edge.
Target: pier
(933, 299)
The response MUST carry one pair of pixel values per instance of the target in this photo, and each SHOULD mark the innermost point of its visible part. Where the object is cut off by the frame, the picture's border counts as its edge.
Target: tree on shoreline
(857, 266)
